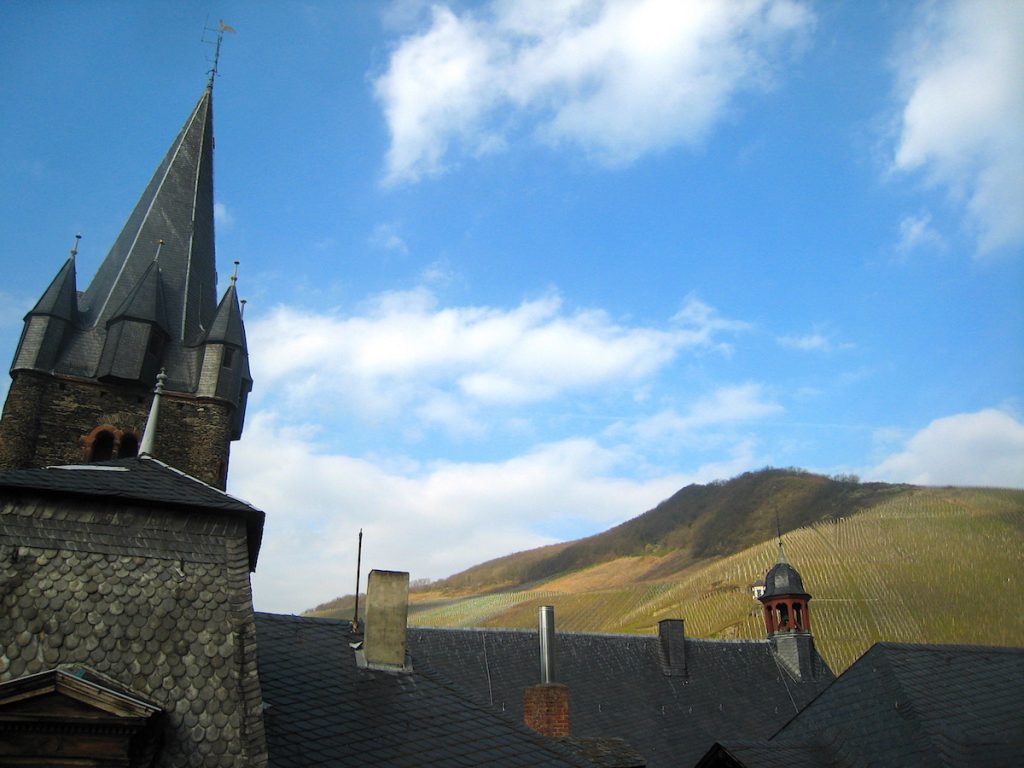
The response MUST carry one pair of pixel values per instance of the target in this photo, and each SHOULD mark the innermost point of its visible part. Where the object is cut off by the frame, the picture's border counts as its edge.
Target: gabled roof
(906, 705)
(323, 710)
(140, 479)
(96, 694)
(619, 686)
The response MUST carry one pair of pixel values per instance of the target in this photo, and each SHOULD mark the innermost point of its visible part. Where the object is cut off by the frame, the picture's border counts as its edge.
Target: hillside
(882, 561)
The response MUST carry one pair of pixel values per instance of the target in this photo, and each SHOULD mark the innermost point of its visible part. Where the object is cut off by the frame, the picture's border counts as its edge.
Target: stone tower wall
(166, 611)
(47, 420)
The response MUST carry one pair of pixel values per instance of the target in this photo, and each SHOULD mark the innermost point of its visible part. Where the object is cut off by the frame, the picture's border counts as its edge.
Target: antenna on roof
(74, 248)
(359, 565)
(220, 30)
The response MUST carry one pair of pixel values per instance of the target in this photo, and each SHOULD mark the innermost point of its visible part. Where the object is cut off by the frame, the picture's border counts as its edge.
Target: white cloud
(618, 78)
(963, 112)
(812, 342)
(982, 448)
(387, 237)
(726, 406)
(432, 520)
(404, 354)
(917, 232)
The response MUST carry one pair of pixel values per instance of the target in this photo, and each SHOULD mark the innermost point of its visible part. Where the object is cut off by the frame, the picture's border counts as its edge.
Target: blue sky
(517, 271)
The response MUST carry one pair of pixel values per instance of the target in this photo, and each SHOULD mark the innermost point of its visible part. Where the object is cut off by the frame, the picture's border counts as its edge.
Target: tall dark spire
(176, 208)
(86, 363)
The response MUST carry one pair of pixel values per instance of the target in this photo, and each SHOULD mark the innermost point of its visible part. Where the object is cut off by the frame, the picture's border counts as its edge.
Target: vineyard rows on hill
(930, 565)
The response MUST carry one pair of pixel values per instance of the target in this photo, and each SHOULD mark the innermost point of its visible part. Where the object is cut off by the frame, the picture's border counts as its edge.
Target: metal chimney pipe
(546, 621)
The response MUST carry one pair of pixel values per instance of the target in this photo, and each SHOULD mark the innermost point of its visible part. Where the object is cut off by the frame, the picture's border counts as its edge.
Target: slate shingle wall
(45, 418)
(156, 599)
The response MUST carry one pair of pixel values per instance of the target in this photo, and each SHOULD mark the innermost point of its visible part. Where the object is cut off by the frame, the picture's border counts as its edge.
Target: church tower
(787, 619)
(85, 367)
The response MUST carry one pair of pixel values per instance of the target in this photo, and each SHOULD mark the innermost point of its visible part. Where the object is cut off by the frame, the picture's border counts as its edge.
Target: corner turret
(48, 322)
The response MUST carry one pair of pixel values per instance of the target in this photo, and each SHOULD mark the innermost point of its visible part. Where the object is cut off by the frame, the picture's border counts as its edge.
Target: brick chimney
(546, 706)
(546, 709)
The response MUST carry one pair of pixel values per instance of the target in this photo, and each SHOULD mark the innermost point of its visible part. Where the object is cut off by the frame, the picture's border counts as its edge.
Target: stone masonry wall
(47, 418)
(156, 599)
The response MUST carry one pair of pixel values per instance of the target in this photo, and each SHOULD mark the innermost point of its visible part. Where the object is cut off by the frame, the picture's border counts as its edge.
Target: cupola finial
(234, 275)
(74, 248)
(243, 303)
(778, 535)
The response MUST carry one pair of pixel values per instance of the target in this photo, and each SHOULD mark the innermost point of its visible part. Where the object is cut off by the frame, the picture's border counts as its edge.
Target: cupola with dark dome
(786, 617)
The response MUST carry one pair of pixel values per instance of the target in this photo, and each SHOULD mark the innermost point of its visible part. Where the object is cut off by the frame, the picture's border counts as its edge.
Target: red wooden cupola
(784, 599)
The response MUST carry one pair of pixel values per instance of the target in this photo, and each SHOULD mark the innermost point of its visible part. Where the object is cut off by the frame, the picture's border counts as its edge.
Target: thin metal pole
(359, 565)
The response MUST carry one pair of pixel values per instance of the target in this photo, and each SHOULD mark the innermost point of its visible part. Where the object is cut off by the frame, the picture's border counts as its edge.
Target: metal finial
(244, 302)
(234, 275)
(221, 29)
(159, 245)
(778, 533)
(74, 248)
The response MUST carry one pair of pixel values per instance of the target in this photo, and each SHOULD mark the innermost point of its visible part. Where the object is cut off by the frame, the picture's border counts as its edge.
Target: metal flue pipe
(546, 622)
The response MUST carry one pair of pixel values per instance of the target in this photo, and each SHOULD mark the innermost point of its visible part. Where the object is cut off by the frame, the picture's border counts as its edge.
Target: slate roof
(139, 479)
(322, 710)
(906, 705)
(619, 686)
(59, 299)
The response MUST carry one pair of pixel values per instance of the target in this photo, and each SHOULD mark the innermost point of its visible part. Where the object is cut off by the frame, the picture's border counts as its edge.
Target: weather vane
(220, 30)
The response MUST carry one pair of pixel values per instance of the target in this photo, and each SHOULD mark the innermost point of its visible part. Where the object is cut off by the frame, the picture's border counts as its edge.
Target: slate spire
(87, 361)
(176, 208)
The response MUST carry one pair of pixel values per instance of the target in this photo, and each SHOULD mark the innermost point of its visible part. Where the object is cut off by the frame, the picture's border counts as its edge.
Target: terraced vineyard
(938, 565)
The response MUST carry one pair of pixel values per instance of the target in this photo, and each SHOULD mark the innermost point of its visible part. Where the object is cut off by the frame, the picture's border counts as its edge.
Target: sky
(518, 271)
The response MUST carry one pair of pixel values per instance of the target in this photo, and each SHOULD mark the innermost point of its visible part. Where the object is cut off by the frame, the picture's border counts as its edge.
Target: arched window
(783, 616)
(102, 446)
(128, 447)
(798, 616)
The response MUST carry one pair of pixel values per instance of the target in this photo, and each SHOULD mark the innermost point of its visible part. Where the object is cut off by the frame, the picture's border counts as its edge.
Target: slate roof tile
(907, 705)
(617, 686)
(324, 710)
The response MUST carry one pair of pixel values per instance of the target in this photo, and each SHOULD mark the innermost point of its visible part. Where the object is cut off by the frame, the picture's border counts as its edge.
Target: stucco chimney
(546, 706)
(387, 610)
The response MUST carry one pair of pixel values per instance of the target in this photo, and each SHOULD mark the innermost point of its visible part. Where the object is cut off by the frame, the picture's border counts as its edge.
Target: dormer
(137, 333)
